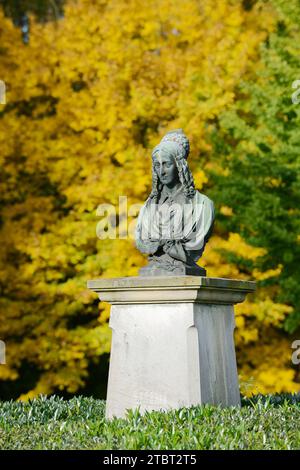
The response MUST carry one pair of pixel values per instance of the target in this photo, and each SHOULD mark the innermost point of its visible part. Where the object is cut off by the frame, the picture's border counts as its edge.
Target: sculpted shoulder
(175, 222)
(203, 198)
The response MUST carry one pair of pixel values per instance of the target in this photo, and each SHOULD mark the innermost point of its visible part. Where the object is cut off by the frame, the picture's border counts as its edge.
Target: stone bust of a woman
(176, 220)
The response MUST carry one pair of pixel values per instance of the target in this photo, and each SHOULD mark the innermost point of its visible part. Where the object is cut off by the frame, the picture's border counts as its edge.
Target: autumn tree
(258, 181)
(87, 99)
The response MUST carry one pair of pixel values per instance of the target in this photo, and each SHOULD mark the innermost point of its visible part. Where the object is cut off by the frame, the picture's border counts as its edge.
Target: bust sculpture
(176, 220)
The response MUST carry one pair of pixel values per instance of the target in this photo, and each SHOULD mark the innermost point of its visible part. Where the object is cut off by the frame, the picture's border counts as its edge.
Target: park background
(91, 87)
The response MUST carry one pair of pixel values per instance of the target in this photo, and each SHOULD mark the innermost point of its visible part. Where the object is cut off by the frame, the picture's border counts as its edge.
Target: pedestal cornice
(171, 289)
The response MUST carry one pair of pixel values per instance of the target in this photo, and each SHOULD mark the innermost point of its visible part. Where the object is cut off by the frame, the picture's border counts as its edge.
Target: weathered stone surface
(181, 270)
(176, 220)
(172, 343)
(171, 289)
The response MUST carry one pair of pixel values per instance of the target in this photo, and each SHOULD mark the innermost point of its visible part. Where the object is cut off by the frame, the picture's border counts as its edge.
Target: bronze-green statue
(176, 220)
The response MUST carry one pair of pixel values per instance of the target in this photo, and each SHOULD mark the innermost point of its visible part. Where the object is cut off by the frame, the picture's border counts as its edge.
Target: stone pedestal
(172, 343)
(183, 270)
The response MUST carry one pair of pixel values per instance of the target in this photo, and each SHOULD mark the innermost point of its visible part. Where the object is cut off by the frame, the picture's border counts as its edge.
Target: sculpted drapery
(176, 220)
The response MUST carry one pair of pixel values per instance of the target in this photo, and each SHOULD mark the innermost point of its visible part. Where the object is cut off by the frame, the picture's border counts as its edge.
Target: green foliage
(270, 422)
(43, 9)
(19, 11)
(257, 143)
(86, 102)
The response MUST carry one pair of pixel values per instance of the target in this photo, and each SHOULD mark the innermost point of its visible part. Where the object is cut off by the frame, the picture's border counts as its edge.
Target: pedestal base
(169, 356)
(172, 343)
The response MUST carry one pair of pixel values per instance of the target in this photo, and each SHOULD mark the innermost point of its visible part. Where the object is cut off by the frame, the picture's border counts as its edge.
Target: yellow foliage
(88, 98)
(225, 210)
(259, 276)
(268, 366)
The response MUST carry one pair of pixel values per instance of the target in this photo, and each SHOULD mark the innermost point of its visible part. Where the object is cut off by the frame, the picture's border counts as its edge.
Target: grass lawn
(270, 422)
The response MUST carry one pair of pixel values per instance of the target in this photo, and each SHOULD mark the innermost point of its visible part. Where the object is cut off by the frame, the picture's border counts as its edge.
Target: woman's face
(166, 168)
